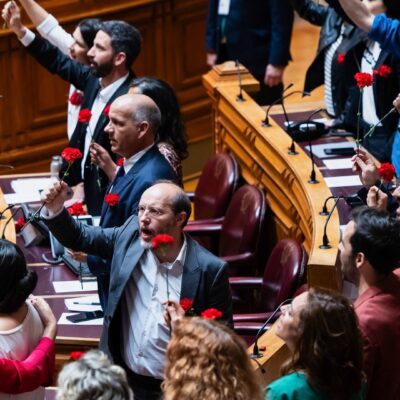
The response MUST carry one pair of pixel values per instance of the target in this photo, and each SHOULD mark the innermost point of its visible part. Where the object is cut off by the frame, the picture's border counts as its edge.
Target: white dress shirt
(145, 335)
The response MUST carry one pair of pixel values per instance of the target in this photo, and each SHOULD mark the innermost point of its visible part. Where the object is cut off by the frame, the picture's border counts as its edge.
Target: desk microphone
(325, 241)
(256, 353)
(324, 210)
(312, 179)
(265, 122)
(239, 97)
(6, 209)
(3, 235)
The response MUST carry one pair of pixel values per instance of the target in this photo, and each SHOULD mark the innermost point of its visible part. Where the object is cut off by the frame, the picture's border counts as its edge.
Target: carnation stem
(358, 122)
(372, 129)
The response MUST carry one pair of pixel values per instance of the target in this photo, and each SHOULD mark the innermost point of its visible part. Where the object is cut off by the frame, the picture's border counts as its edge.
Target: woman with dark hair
(320, 328)
(21, 327)
(207, 360)
(171, 136)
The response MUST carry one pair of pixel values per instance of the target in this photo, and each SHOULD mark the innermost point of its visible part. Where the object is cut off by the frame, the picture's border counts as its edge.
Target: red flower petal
(106, 110)
(341, 58)
(363, 79)
(84, 115)
(387, 172)
(76, 98)
(70, 154)
(112, 199)
(186, 304)
(120, 161)
(76, 209)
(161, 240)
(211, 313)
(76, 355)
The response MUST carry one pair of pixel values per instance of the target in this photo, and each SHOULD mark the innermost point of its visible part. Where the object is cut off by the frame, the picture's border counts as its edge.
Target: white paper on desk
(341, 163)
(64, 321)
(83, 303)
(318, 149)
(74, 286)
(18, 198)
(342, 181)
(31, 184)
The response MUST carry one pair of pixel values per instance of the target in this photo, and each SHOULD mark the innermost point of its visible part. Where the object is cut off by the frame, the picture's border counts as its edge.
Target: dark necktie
(118, 177)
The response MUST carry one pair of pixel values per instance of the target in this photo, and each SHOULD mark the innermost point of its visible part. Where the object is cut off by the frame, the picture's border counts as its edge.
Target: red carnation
(186, 304)
(76, 98)
(120, 162)
(384, 71)
(211, 313)
(162, 240)
(387, 172)
(84, 115)
(76, 209)
(112, 199)
(106, 110)
(363, 79)
(76, 355)
(70, 154)
(19, 224)
(341, 57)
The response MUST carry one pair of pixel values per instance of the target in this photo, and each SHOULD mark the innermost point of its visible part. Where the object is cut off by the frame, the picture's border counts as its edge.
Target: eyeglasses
(154, 212)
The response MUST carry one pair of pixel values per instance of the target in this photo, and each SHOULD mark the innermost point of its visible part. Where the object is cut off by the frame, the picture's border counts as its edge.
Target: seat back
(283, 274)
(217, 183)
(242, 226)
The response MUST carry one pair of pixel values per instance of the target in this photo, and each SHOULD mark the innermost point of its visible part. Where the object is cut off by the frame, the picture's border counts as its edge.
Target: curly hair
(93, 377)
(206, 360)
(329, 348)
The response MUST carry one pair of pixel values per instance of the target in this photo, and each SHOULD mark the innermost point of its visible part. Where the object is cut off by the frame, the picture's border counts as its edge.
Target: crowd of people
(132, 139)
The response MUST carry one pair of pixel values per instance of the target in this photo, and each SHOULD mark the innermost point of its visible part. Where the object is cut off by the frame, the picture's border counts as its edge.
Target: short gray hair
(150, 113)
(93, 377)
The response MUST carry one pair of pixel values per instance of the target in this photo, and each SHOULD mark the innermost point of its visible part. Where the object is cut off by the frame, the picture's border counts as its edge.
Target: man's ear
(181, 218)
(360, 259)
(119, 59)
(143, 129)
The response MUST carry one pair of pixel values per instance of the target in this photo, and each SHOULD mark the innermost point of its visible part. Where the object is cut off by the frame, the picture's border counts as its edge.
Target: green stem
(358, 121)
(372, 129)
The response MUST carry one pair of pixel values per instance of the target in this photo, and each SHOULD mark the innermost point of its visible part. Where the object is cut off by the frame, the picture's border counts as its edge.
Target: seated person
(320, 328)
(93, 377)
(38, 368)
(21, 327)
(218, 368)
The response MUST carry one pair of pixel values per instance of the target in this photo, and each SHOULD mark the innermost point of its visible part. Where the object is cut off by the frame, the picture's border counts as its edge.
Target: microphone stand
(325, 241)
(256, 353)
(239, 97)
(312, 179)
(324, 211)
(265, 122)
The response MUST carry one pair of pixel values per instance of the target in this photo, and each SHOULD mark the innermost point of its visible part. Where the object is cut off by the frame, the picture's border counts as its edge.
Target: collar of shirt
(106, 92)
(179, 261)
(131, 161)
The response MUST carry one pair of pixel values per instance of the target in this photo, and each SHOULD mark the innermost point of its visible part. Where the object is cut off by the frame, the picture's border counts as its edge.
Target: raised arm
(311, 11)
(358, 13)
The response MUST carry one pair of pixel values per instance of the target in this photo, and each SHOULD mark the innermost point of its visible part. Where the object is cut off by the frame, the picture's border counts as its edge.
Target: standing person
(369, 255)
(144, 277)
(134, 122)
(21, 327)
(171, 136)
(207, 360)
(320, 329)
(76, 46)
(257, 35)
(116, 46)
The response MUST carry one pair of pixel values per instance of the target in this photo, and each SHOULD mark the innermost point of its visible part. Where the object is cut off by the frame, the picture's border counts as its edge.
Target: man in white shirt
(144, 278)
(116, 46)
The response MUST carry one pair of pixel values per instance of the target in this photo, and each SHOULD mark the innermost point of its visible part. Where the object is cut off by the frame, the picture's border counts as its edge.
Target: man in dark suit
(116, 46)
(256, 33)
(134, 121)
(144, 278)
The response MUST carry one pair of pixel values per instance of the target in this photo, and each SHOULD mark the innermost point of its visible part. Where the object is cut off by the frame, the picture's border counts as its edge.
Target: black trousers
(144, 387)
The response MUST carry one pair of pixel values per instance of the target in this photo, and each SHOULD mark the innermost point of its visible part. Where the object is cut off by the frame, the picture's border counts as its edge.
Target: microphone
(324, 210)
(256, 353)
(3, 235)
(312, 179)
(239, 97)
(6, 209)
(265, 122)
(325, 241)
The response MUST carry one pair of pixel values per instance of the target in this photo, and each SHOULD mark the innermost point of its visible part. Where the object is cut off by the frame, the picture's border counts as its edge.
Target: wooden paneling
(33, 110)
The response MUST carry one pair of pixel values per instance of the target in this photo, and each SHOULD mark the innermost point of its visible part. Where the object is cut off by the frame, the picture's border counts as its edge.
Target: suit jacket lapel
(191, 272)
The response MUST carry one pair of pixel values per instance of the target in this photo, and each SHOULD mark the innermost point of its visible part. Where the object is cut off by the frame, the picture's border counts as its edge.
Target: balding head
(134, 121)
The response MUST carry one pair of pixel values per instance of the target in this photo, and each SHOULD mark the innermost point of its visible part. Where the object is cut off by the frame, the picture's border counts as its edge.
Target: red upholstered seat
(283, 275)
(240, 231)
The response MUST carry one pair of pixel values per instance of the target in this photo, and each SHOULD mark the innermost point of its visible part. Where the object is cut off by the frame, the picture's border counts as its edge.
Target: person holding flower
(144, 276)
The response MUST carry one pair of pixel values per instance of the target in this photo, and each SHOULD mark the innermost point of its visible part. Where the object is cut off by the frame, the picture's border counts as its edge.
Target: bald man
(144, 279)
(134, 121)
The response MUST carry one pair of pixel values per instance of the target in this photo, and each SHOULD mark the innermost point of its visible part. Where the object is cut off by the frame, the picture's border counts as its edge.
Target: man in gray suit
(143, 279)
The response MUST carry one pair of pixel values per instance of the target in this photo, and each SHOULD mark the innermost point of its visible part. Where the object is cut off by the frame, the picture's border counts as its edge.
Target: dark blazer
(258, 32)
(152, 166)
(204, 280)
(352, 46)
(56, 62)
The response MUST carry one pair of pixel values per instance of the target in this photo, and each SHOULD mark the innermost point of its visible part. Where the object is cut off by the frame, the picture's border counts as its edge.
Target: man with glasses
(144, 278)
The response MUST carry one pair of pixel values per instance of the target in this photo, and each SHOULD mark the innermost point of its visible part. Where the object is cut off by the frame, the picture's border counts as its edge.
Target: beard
(101, 70)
